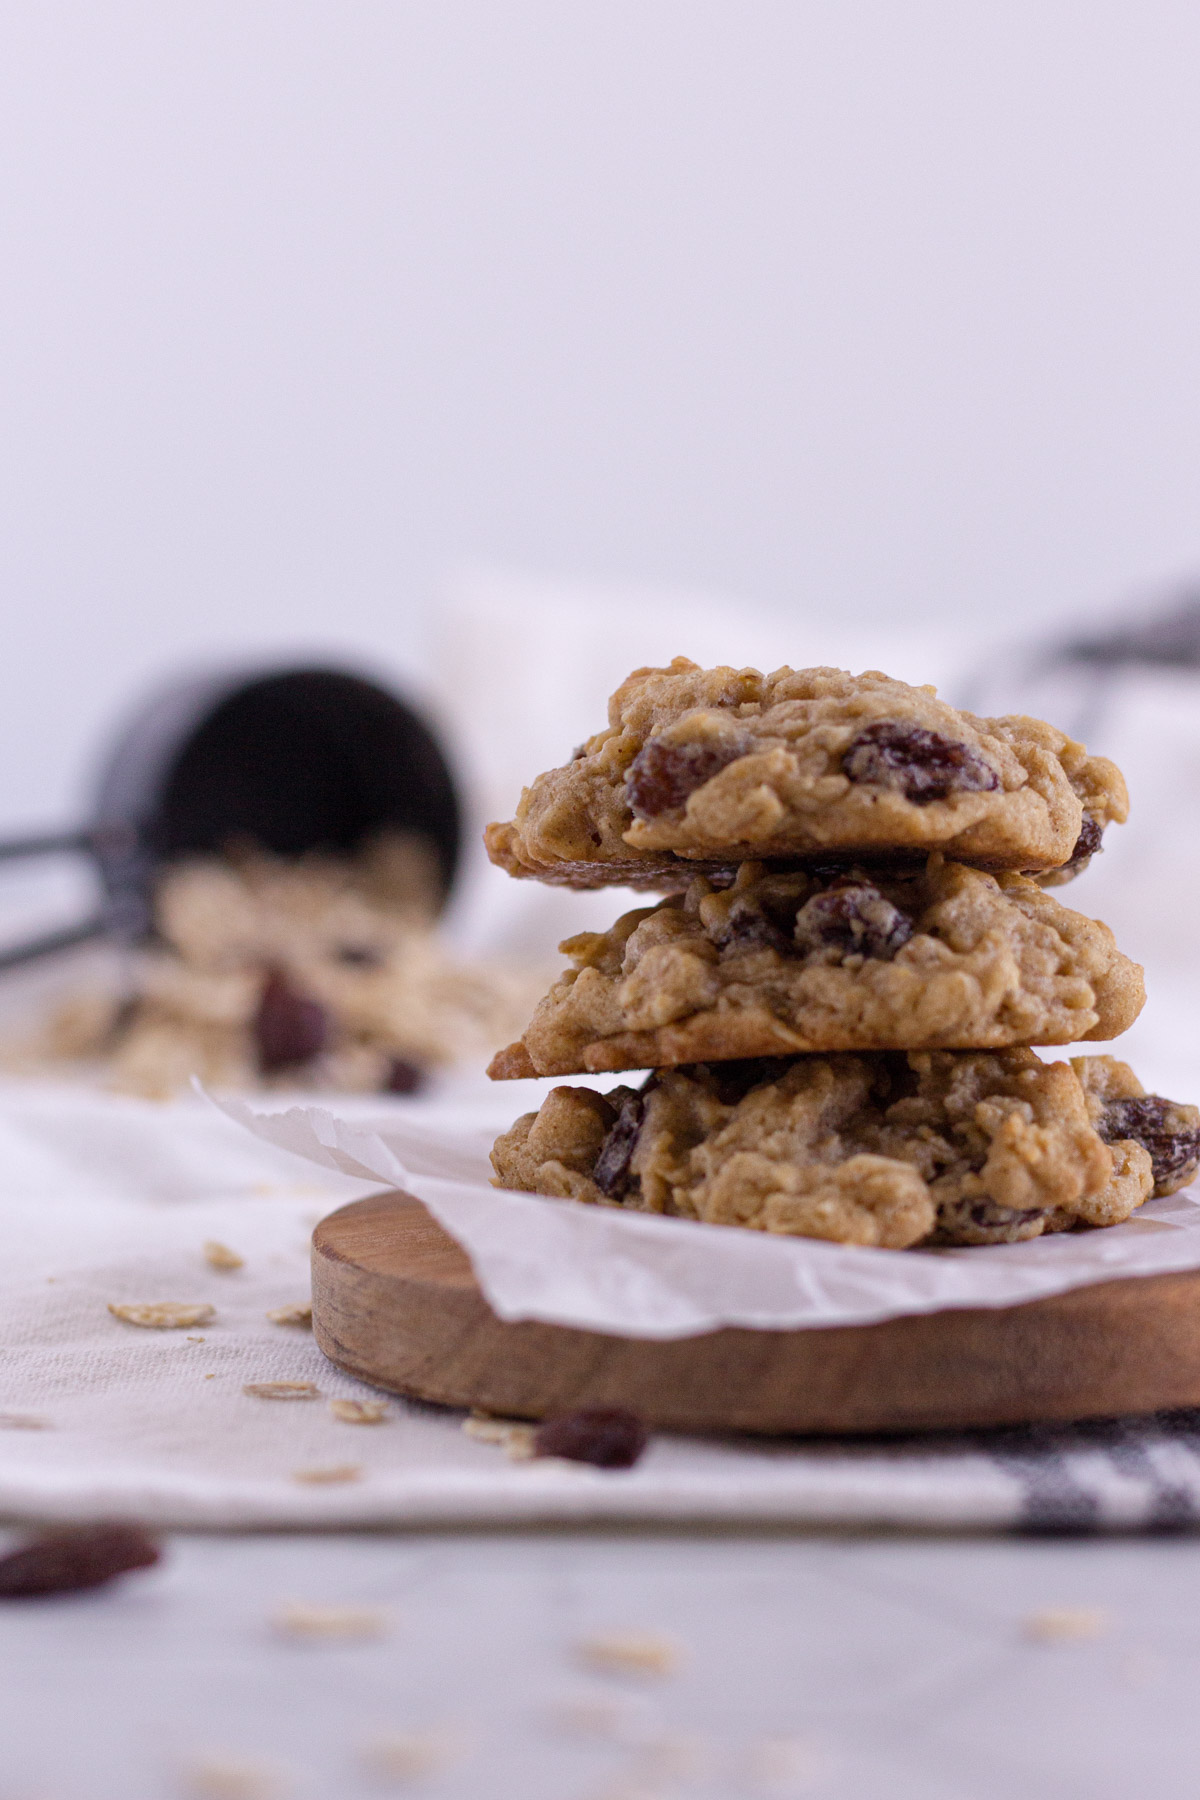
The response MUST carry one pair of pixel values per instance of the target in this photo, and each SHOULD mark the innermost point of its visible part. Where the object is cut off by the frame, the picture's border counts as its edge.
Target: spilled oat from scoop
(323, 971)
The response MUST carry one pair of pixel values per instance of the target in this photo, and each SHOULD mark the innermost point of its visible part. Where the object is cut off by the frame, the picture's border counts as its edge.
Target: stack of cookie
(838, 997)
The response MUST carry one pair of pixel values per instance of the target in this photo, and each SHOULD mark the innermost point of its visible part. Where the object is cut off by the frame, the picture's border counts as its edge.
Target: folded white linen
(109, 1200)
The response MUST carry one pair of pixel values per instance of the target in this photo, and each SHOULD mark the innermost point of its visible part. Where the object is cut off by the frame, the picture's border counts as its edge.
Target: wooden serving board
(395, 1303)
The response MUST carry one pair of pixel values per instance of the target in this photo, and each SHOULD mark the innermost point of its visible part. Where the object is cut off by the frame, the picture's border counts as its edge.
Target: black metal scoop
(292, 760)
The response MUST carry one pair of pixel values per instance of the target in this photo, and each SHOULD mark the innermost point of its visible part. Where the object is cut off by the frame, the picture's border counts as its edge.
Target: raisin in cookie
(949, 957)
(888, 1150)
(706, 767)
(1122, 1111)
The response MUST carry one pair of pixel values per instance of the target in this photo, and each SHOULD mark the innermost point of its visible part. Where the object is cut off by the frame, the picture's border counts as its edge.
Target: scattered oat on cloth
(107, 1199)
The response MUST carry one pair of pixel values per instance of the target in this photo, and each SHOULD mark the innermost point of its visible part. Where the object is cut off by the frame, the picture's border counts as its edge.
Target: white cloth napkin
(112, 1200)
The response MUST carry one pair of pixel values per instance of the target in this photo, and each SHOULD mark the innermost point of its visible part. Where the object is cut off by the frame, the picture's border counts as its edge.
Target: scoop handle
(120, 918)
(46, 843)
(13, 955)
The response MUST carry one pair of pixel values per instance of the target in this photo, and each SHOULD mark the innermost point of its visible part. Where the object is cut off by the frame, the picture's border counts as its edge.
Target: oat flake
(295, 1619)
(630, 1653)
(300, 1314)
(513, 1436)
(220, 1256)
(215, 1778)
(359, 1412)
(282, 1390)
(164, 1315)
(1063, 1624)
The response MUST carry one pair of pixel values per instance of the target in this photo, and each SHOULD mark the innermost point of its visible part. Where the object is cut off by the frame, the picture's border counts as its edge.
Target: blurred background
(497, 346)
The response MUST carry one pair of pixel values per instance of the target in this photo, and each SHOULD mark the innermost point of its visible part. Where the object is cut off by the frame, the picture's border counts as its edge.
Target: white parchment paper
(638, 1275)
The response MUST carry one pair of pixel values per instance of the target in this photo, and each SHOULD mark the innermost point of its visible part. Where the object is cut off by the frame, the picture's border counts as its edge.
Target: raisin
(1087, 845)
(1088, 841)
(403, 1077)
(72, 1557)
(603, 1435)
(661, 776)
(289, 1028)
(747, 927)
(920, 764)
(855, 919)
(611, 1171)
(762, 918)
(989, 1216)
(1174, 1152)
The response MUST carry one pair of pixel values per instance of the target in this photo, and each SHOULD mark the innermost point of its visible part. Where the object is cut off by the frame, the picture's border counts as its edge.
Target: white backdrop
(785, 331)
(842, 310)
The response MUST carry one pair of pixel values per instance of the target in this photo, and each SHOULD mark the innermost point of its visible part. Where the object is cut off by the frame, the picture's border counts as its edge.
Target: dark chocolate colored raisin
(74, 1557)
(921, 764)
(989, 1216)
(603, 1435)
(611, 1171)
(1087, 845)
(855, 919)
(661, 776)
(1088, 841)
(403, 1077)
(289, 1028)
(746, 926)
(1174, 1155)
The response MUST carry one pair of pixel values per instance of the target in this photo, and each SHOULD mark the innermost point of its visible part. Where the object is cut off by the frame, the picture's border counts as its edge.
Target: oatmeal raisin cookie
(946, 957)
(885, 1150)
(703, 768)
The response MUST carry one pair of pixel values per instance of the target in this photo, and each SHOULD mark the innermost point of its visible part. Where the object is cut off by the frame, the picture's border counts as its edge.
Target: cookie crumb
(15, 1421)
(1066, 1624)
(630, 1653)
(164, 1315)
(281, 1390)
(299, 1314)
(359, 1412)
(330, 1476)
(295, 1619)
(220, 1256)
(217, 1778)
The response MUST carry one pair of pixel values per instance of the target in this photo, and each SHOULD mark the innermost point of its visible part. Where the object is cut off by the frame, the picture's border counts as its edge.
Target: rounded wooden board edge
(395, 1303)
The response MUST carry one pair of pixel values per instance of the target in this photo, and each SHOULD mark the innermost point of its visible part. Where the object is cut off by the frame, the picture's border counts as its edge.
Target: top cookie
(700, 769)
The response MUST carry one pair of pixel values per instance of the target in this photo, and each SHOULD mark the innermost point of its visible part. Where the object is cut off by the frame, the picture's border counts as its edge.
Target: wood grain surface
(395, 1302)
